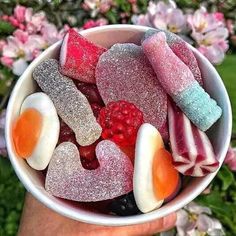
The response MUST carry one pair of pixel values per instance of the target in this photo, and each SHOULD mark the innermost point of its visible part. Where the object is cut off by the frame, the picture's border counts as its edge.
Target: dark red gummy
(66, 134)
(87, 153)
(96, 109)
(90, 91)
(120, 122)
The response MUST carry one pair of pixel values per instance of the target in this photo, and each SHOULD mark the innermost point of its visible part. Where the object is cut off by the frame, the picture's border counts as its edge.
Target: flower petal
(19, 66)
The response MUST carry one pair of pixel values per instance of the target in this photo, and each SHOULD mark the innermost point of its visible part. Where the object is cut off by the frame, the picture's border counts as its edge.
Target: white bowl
(33, 180)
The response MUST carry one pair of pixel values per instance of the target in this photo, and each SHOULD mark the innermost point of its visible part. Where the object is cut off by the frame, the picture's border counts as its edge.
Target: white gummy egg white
(49, 134)
(148, 142)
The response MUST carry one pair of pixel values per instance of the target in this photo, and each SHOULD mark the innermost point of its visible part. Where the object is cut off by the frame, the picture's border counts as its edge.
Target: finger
(149, 228)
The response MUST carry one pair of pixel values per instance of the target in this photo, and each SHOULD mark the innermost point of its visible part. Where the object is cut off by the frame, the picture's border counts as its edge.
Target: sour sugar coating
(79, 57)
(71, 105)
(181, 50)
(178, 81)
(191, 148)
(124, 73)
(66, 178)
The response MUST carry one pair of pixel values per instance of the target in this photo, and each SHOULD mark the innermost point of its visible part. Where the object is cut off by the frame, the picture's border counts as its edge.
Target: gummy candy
(120, 122)
(66, 178)
(181, 50)
(35, 132)
(179, 83)
(163, 172)
(79, 57)
(124, 73)
(72, 106)
(149, 141)
(191, 149)
(90, 91)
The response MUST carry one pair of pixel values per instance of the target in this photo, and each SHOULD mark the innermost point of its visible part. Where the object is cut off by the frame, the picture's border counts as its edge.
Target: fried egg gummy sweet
(178, 81)
(153, 169)
(71, 105)
(66, 178)
(35, 132)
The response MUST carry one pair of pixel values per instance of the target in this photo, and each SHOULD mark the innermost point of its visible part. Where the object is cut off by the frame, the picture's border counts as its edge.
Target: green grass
(12, 191)
(227, 70)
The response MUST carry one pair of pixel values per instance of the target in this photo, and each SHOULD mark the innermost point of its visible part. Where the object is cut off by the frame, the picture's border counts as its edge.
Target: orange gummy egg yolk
(26, 132)
(165, 176)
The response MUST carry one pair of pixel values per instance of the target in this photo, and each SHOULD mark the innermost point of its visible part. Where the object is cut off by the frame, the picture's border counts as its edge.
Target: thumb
(150, 228)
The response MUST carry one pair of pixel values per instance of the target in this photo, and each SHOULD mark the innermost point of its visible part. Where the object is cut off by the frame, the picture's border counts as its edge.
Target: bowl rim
(88, 217)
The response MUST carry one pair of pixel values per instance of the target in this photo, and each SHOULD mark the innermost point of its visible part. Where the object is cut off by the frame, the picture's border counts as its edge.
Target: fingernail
(169, 221)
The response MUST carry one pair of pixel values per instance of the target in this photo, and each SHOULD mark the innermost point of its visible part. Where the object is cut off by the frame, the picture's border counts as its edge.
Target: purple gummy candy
(124, 73)
(66, 178)
(172, 73)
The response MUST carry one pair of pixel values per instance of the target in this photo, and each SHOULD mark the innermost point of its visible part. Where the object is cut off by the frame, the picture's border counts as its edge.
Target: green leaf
(6, 28)
(221, 209)
(226, 176)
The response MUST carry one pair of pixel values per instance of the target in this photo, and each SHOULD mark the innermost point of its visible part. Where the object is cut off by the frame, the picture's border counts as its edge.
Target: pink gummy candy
(172, 73)
(79, 57)
(184, 53)
(191, 148)
(124, 73)
(66, 178)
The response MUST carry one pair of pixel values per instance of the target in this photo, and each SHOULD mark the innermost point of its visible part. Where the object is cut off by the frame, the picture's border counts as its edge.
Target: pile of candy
(132, 122)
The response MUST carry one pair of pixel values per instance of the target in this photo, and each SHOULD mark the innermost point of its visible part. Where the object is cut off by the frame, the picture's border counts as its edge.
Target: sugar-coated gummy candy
(192, 151)
(178, 81)
(181, 50)
(71, 105)
(66, 178)
(124, 73)
(120, 122)
(79, 57)
(149, 141)
(35, 132)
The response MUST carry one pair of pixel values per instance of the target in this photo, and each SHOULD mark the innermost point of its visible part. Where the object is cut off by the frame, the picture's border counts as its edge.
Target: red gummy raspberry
(120, 122)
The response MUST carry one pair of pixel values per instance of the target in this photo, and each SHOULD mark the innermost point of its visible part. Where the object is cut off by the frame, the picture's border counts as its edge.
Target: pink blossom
(3, 150)
(2, 44)
(5, 17)
(19, 13)
(210, 34)
(50, 33)
(230, 158)
(97, 6)
(213, 53)
(93, 23)
(21, 35)
(230, 26)
(195, 220)
(162, 15)
(219, 16)
(19, 66)
(35, 22)
(141, 20)
(7, 61)
(13, 21)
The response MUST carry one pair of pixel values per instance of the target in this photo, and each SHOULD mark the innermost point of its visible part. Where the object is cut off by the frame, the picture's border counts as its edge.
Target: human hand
(38, 220)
